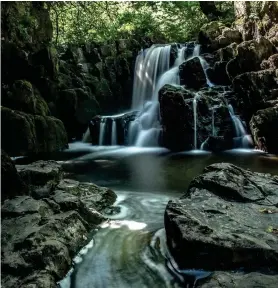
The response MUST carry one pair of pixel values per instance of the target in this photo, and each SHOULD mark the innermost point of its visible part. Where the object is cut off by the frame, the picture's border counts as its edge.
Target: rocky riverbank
(45, 221)
(227, 222)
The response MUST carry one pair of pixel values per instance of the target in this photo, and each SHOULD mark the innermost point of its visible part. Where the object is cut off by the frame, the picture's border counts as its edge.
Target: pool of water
(130, 249)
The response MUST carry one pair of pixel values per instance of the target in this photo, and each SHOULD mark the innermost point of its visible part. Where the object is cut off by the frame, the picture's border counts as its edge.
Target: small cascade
(195, 120)
(102, 128)
(114, 133)
(87, 136)
(242, 139)
(205, 65)
(82, 60)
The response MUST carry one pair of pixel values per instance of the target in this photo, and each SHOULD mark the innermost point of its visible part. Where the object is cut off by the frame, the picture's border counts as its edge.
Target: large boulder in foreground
(40, 237)
(12, 185)
(24, 134)
(263, 127)
(225, 221)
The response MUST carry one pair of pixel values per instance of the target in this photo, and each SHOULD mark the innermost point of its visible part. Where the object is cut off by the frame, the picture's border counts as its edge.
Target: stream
(130, 249)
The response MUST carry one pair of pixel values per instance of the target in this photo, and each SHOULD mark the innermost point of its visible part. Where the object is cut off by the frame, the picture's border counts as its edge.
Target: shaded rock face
(25, 134)
(263, 125)
(222, 222)
(177, 117)
(40, 237)
(12, 184)
(192, 74)
(250, 55)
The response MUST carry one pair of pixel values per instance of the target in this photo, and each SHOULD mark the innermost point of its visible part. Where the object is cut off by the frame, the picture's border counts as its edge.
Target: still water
(130, 249)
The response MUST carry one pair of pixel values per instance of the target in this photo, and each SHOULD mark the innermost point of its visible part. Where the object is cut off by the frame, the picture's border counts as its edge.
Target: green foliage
(169, 21)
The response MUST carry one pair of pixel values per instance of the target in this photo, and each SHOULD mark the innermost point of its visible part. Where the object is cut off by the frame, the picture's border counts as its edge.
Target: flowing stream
(130, 249)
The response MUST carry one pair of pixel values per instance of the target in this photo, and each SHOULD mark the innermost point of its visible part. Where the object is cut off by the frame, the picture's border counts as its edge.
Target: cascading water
(87, 136)
(195, 119)
(102, 128)
(242, 138)
(205, 65)
(114, 133)
(147, 86)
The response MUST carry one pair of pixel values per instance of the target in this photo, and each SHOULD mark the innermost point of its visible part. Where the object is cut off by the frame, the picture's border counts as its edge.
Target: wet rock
(12, 184)
(217, 144)
(41, 177)
(24, 133)
(250, 54)
(263, 124)
(24, 97)
(218, 74)
(255, 90)
(40, 237)
(239, 279)
(227, 53)
(221, 224)
(177, 116)
(192, 74)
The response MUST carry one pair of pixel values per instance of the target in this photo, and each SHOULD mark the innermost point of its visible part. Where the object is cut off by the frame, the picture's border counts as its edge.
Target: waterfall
(87, 136)
(242, 138)
(204, 63)
(114, 133)
(102, 127)
(195, 120)
(148, 81)
(81, 59)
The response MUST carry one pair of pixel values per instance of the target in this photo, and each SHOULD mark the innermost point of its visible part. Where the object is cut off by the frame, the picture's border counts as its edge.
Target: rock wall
(245, 54)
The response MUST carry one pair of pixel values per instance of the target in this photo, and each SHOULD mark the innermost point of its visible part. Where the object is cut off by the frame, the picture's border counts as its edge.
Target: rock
(250, 54)
(24, 133)
(24, 97)
(40, 237)
(216, 144)
(238, 279)
(94, 196)
(255, 90)
(270, 63)
(218, 75)
(192, 74)
(177, 117)
(12, 184)
(222, 222)
(41, 176)
(262, 125)
(272, 35)
(227, 53)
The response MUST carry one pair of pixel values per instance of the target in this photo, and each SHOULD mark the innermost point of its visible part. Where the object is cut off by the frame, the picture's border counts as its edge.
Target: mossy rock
(25, 134)
(26, 98)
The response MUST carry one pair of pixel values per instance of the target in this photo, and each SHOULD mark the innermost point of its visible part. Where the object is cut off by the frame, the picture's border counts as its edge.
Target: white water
(205, 65)
(114, 133)
(148, 129)
(102, 127)
(81, 59)
(87, 136)
(242, 138)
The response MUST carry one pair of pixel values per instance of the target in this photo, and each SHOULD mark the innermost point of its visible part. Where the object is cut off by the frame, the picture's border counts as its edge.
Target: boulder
(41, 237)
(250, 54)
(270, 63)
(192, 74)
(12, 184)
(218, 74)
(255, 90)
(272, 35)
(177, 117)
(23, 133)
(26, 98)
(225, 221)
(263, 125)
(41, 177)
(238, 279)
(227, 53)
